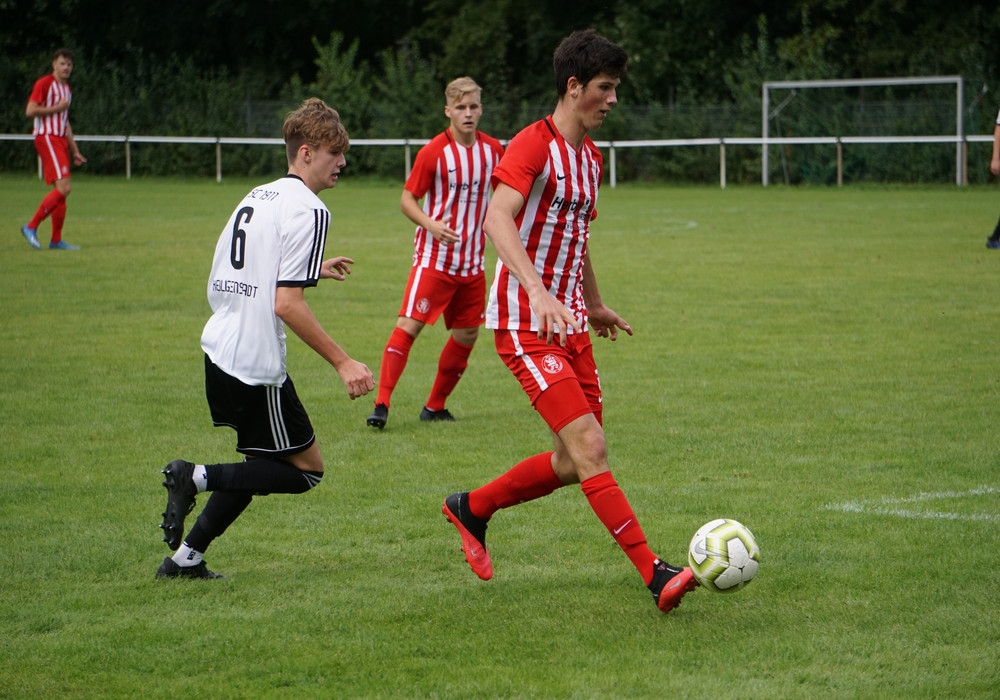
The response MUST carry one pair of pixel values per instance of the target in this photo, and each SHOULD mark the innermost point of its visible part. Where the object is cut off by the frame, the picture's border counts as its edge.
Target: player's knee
(592, 447)
(410, 326)
(466, 336)
(312, 479)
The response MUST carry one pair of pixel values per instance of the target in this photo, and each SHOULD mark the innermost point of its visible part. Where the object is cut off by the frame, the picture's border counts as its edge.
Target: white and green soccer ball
(723, 556)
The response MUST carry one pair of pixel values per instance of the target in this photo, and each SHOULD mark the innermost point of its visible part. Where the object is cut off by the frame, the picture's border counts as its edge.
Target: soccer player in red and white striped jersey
(451, 174)
(542, 303)
(48, 105)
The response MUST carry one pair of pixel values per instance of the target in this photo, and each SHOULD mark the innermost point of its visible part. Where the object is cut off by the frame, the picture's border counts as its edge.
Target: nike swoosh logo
(560, 177)
(699, 548)
(395, 351)
(618, 530)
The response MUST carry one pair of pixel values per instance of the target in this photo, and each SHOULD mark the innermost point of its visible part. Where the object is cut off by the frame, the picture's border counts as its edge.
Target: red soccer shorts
(561, 382)
(54, 152)
(430, 294)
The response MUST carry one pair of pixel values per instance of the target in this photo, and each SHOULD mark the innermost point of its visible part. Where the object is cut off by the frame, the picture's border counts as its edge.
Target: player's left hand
(443, 233)
(606, 322)
(335, 268)
(357, 378)
(78, 158)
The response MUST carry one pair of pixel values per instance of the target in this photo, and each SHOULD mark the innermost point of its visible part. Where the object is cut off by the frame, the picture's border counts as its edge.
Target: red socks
(53, 201)
(58, 217)
(525, 481)
(613, 509)
(394, 358)
(452, 363)
(534, 478)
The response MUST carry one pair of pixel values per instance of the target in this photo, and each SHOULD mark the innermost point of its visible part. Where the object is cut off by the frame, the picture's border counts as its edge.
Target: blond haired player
(451, 174)
(269, 253)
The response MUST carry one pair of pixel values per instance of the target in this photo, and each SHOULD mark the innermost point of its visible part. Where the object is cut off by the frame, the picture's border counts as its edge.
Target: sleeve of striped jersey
(41, 89)
(302, 246)
(523, 159)
(424, 166)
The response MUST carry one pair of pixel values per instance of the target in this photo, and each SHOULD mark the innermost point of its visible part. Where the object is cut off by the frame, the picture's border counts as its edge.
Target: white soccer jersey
(275, 238)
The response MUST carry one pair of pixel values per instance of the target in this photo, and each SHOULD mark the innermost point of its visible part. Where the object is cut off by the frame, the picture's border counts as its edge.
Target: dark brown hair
(584, 54)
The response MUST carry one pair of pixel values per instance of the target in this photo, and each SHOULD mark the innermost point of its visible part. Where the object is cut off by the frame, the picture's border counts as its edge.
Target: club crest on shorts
(424, 305)
(552, 364)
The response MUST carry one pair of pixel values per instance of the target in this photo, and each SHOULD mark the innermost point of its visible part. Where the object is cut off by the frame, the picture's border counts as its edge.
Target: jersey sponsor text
(234, 287)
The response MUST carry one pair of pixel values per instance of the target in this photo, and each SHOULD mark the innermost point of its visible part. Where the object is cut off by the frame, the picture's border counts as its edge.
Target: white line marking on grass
(886, 506)
(677, 225)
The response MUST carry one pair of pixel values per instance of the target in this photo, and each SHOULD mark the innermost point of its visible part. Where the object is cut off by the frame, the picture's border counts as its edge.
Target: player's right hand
(554, 319)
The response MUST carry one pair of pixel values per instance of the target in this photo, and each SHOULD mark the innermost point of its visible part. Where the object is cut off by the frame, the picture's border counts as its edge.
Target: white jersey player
(270, 251)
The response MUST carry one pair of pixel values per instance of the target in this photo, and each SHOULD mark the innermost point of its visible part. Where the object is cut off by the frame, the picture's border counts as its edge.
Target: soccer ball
(723, 556)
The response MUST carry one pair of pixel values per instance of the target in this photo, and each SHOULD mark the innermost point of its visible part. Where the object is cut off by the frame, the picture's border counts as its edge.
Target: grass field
(820, 364)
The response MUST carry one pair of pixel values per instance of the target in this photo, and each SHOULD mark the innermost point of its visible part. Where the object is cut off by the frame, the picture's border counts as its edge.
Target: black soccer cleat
(379, 416)
(669, 585)
(180, 500)
(170, 569)
(444, 414)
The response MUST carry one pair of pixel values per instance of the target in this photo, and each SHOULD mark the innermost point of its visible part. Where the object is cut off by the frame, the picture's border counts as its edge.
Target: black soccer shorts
(269, 421)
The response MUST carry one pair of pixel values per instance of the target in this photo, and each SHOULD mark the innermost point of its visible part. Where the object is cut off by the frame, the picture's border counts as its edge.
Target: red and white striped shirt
(454, 182)
(49, 92)
(559, 185)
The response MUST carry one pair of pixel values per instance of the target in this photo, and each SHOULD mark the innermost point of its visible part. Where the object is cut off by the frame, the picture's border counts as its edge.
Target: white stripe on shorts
(532, 367)
(278, 431)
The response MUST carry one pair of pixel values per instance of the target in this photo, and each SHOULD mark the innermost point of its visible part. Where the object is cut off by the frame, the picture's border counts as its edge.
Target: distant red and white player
(543, 297)
(48, 105)
(451, 174)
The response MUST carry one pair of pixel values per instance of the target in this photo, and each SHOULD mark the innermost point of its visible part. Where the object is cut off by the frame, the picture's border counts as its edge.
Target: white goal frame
(765, 112)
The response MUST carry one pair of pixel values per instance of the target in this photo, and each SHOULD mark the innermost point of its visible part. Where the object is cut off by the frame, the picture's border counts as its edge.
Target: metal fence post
(722, 163)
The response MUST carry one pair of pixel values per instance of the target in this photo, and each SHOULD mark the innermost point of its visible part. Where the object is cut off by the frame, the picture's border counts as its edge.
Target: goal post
(765, 115)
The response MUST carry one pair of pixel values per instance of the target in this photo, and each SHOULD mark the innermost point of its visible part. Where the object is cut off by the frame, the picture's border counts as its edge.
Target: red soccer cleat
(473, 532)
(670, 584)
